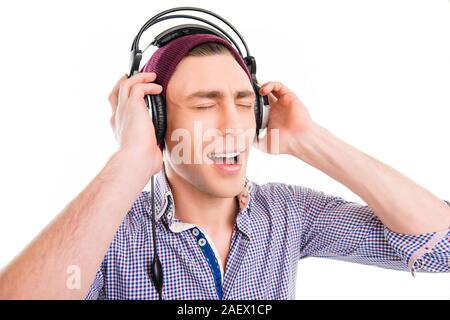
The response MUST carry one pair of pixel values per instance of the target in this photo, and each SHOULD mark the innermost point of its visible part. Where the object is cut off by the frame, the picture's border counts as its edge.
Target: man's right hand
(131, 120)
(96, 213)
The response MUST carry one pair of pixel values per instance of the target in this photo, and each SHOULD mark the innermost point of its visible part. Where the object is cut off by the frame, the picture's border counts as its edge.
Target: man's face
(210, 118)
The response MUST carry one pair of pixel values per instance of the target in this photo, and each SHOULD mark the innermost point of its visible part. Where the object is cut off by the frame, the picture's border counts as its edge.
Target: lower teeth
(226, 160)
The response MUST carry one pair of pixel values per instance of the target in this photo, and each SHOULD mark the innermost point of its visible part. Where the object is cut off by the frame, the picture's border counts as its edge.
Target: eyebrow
(216, 94)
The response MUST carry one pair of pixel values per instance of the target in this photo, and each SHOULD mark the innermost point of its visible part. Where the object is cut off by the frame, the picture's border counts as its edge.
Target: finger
(113, 96)
(126, 86)
(112, 121)
(139, 90)
(271, 98)
(276, 88)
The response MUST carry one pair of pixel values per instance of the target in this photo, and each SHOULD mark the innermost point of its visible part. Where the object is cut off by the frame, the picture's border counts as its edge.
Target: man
(228, 238)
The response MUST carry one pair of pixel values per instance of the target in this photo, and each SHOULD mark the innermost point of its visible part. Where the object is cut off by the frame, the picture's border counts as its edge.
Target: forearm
(79, 236)
(400, 203)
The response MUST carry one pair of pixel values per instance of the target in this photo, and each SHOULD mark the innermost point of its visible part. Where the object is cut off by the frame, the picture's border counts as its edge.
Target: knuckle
(136, 90)
(111, 97)
(123, 86)
(140, 89)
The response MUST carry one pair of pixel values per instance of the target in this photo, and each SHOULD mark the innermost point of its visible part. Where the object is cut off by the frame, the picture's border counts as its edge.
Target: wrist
(301, 144)
(137, 162)
(321, 149)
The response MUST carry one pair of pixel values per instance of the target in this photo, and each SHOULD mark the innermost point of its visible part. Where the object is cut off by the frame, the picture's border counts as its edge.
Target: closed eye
(205, 106)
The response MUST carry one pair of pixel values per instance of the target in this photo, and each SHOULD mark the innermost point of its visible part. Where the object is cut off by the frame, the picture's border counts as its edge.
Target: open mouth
(226, 157)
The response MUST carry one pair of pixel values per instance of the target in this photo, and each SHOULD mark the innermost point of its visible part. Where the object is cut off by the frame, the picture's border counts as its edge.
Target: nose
(230, 119)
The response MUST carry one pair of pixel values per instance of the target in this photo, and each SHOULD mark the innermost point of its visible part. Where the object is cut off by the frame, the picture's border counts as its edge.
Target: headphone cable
(157, 272)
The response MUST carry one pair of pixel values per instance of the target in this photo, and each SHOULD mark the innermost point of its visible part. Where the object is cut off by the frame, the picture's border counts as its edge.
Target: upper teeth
(224, 155)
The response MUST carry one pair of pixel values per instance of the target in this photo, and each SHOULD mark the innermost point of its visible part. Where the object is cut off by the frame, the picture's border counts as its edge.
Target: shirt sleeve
(333, 227)
(96, 290)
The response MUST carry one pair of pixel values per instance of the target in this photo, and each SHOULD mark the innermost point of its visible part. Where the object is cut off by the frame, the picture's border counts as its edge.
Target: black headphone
(156, 102)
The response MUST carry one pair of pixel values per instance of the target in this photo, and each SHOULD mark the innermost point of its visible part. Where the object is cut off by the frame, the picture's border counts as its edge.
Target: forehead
(207, 73)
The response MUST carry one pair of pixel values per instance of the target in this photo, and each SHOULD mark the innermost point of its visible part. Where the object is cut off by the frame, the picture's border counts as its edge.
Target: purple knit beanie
(165, 59)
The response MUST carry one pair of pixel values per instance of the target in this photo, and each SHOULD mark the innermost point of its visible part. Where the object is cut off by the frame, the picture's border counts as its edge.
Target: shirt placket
(211, 258)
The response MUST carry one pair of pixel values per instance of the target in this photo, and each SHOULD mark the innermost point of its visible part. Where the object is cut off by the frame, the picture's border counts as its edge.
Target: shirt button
(195, 232)
(169, 215)
(202, 242)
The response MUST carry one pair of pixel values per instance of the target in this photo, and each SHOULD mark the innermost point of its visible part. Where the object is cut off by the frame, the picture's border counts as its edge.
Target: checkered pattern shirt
(277, 225)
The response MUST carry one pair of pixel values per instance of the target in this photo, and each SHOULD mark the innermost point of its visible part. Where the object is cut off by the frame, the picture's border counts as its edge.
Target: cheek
(178, 124)
(251, 119)
(186, 135)
(247, 122)
(200, 128)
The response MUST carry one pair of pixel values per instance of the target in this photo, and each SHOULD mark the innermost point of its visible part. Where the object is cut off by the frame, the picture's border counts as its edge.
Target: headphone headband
(180, 30)
(222, 33)
(161, 39)
(154, 20)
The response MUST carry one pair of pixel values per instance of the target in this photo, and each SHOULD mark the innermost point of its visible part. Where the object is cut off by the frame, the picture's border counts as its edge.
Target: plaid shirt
(277, 225)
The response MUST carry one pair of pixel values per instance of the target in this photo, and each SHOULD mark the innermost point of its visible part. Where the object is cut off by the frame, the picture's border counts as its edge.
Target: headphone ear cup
(258, 107)
(158, 109)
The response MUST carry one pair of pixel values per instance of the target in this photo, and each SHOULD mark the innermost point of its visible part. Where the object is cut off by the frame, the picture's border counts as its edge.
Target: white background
(375, 73)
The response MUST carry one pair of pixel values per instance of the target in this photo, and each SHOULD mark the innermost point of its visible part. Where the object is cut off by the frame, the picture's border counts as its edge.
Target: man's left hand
(287, 114)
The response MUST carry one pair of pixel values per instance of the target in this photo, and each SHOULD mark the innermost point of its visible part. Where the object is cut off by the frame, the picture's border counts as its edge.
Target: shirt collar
(165, 206)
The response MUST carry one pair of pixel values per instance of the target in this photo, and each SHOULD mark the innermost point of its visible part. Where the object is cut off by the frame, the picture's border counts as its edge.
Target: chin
(224, 187)
(225, 180)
